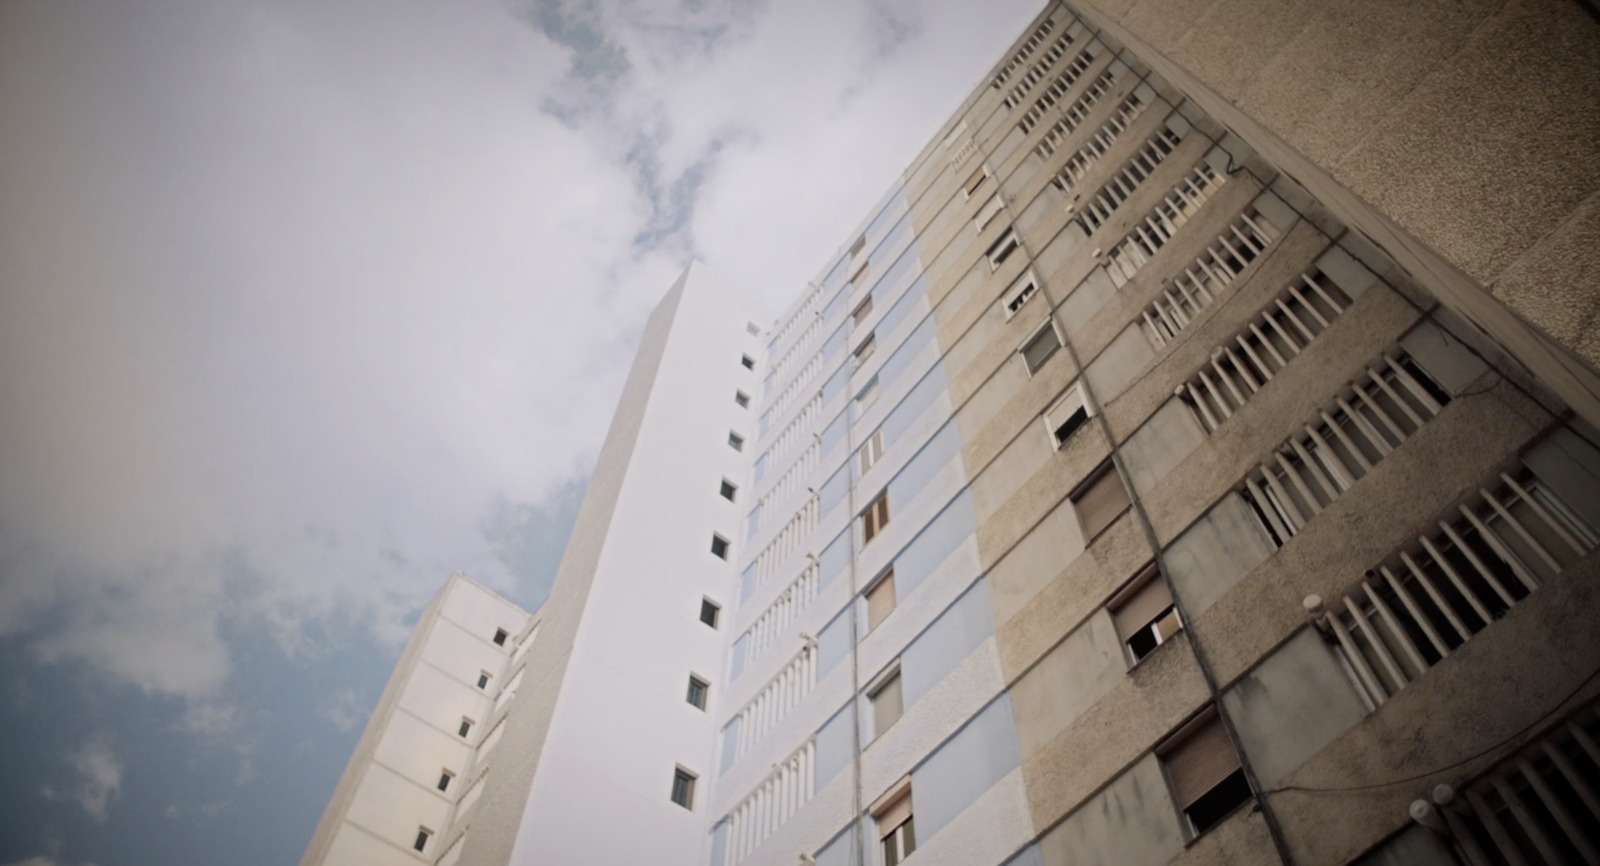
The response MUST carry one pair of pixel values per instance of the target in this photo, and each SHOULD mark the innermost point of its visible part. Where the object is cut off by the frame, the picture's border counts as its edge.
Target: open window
(1207, 780)
(871, 450)
(1018, 294)
(1144, 614)
(875, 518)
(1100, 500)
(1002, 249)
(896, 832)
(1067, 415)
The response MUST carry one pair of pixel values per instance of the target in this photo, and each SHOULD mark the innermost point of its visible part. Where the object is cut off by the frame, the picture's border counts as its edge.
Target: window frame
(896, 841)
(748, 362)
(721, 547)
(483, 680)
(729, 490)
(1073, 397)
(861, 312)
(1132, 591)
(706, 604)
(1020, 292)
(688, 777)
(424, 836)
(870, 452)
(703, 686)
(1106, 469)
(1006, 251)
(1022, 348)
(873, 523)
(500, 636)
(890, 676)
(464, 730)
(974, 181)
(445, 778)
(879, 584)
(735, 441)
(1198, 724)
(866, 349)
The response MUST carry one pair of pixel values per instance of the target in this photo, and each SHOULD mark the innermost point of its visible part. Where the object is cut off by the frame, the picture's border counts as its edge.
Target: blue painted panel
(747, 582)
(835, 306)
(836, 746)
(761, 469)
(730, 743)
(943, 534)
(736, 664)
(914, 404)
(913, 298)
(833, 434)
(833, 645)
(905, 352)
(951, 638)
(835, 559)
(1028, 856)
(840, 850)
(834, 490)
(766, 422)
(944, 447)
(719, 843)
(753, 522)
(832, 346)
(836, 384)
(966, 766)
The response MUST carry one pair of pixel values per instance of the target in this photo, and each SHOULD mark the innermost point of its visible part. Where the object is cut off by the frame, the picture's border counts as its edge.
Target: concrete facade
(1191, 460)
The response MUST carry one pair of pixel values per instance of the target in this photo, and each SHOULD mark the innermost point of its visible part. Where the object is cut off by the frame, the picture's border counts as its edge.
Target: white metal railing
(1029, 45)
(787, 540)
(779, 615)
(802, 316)
(780, 695)
(1057, 89)
(797, 351)
(798, 385)
(1153, 232)
(790, 482)
(1204, 279)
(796, 431)
(1038, 71)
(1538, 805)
(775, 800)
(1114, 126)
(1369, 418)
(1122, 183)
(1436, 593)
(1242, 365)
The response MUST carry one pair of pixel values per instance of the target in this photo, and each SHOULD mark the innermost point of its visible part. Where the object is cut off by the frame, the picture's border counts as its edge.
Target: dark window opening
(500, 636)
(1218, 803)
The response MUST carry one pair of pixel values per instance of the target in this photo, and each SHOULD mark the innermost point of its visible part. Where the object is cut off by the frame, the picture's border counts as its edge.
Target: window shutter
(1040, 348)
(1200, 762)
(886, 707)
(894, 815)
(1143, 607)
(1100, 503)
(880, 600)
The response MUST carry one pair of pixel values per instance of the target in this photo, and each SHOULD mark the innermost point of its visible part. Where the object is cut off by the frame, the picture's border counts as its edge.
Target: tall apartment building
(1191, 460)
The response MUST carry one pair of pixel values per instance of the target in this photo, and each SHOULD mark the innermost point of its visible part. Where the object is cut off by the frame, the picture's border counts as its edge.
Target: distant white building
(1147, 480)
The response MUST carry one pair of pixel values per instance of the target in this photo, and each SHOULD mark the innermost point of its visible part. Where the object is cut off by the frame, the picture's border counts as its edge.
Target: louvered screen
(1200, 762)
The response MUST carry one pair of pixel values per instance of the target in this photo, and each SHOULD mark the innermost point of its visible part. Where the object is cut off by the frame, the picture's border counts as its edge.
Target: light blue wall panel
(951, 638)
(966, 766)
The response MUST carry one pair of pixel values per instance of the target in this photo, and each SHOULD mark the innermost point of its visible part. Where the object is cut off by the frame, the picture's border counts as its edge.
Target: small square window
(735, 441)
(875, 518)
(1002, 249)
(699, 689)
(423, 835)
(1066, 416)
(710, 612)
(1041, 344)
(500, 636)
(880, 599)
(742, 399)
(719, 546)
(445, 776)
(728, 489)
(1100, 500)
(683, 788)
(483, 680)
(871, 450)
(466, 727)
(862, 311)
(748, 362)
(886, 702)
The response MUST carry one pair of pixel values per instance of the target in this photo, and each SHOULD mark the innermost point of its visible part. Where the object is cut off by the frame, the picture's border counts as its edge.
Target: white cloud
(296, 295)
(98, 782)
(346, 710)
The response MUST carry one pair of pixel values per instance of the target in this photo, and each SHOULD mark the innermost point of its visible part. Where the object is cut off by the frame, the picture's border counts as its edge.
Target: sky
(306, 304)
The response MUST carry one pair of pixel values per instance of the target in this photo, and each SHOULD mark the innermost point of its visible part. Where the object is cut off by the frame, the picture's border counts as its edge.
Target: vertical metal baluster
(1482, 569)
(1504, 551)
(1530, 826)
(1299, 483)
(1377, 644)
(1415, 610)
(1268, 511)
(1374, 686)
(1516, 524)
(1311, 463)
(1433, 591)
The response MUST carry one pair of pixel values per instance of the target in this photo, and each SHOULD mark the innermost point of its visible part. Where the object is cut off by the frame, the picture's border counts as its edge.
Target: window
(698, 690)
(886, 703)
(862, 311)
(500, 636)
(728, 489)
(880, 599)
(748, 362)
(1066, 416)
(719, 546)
(1002, 249)
(871, 450)
(710, 612)
(735, 441)
(423, 835)
(1144, 614)
(896, 837)
(1100, 500)
(483, 679)
(1040, 346)
(867, 395)
(975, 181)
(444, 779)
(986, 213)
(875, 518)
(1024, 288)
(858, 246)
(466, 726)
(683, 788)
(742, 399)
(1203, 769)
(865, 350)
